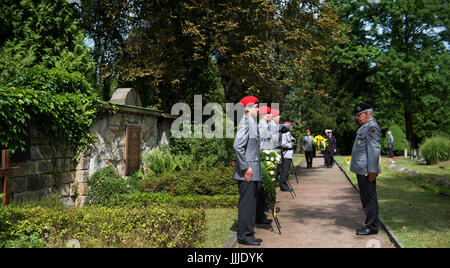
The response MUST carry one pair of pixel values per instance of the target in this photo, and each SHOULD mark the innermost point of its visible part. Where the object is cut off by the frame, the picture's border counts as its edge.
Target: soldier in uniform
(325, 157)
(274, 126)
(365, 163)
(266, 143)
(331, 149)
(247, 171)
(287, 153)
(265, 134)
(307, 143)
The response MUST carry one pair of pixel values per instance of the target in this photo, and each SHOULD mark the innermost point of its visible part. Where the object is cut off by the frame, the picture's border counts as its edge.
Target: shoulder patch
(374, 131)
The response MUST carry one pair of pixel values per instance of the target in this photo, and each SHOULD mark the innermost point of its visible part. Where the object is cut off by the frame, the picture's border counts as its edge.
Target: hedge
(156, 227)
(186, 201)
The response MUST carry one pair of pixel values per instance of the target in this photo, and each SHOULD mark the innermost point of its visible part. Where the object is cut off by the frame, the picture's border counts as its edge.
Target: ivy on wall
(62, 104)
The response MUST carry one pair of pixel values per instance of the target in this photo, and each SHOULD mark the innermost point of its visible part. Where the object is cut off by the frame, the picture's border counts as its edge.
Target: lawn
(418, 216)
(220, 225)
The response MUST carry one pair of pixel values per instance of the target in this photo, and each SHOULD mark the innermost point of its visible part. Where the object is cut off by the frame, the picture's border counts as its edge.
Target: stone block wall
(48, 166)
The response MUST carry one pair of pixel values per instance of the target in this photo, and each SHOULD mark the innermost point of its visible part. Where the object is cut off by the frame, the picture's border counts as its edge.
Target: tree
(41, 32)
(404, 62)
(256, 47)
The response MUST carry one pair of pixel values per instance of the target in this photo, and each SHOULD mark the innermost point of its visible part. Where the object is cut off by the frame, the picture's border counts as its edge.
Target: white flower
(267, 151)
(268, 162)
(271, 159)
(267, 158)
(271, 172)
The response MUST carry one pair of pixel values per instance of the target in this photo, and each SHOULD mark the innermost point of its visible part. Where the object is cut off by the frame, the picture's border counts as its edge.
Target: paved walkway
(325, 213)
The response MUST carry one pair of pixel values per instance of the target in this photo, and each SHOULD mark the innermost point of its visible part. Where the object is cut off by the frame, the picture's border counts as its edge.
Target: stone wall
(47, 167)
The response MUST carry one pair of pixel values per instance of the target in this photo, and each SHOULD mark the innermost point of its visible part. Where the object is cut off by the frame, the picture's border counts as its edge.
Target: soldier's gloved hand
(372, 176)
(248, 174)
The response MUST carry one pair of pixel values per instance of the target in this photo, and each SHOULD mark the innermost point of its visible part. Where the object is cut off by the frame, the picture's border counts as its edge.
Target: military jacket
(307, 143)
(287, 145)
(391, 140)
(266, 136)
(331, 140)
(275, 130)
(246, 146)
(366, 149)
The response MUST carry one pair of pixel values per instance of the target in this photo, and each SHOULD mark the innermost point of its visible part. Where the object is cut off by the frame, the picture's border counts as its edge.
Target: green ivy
(66, 117)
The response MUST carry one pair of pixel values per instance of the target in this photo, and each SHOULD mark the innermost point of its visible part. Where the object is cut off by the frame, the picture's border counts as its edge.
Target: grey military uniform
(391, 140)
(265, 135)
(246, 146)
(275, 130)
(287, 144)
(307, 143)
(366, 149)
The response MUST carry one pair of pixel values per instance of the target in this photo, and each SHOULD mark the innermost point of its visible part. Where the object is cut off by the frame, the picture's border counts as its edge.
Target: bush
(106, 186)
(186, 201)
(213, 181)
(159, 162)
(201, 150)
(101, 227)
(435, 149)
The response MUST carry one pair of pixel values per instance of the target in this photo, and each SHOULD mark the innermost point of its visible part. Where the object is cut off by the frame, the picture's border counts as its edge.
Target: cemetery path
(324, 214)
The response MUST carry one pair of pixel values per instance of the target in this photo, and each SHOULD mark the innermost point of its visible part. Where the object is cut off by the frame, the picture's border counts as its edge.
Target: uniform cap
(275, 112)
(307, 131)
(248, 100)
(288, 123)
(362, 107)
(264, 110)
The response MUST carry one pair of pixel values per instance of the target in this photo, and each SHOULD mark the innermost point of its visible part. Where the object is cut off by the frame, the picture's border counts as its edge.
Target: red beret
(264, 110)
(307, 131)
(248, 100)
(288, 123)
(275, 112)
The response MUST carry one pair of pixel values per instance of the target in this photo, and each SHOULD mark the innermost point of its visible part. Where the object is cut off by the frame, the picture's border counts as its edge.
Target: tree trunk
(410, 136)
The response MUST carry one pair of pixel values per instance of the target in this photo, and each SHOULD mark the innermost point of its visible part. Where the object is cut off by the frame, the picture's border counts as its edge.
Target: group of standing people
(250, 139)
(268, 134)
(329, 151)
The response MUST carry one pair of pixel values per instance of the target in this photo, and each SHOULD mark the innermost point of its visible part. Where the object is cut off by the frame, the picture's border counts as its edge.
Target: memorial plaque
(132, 149)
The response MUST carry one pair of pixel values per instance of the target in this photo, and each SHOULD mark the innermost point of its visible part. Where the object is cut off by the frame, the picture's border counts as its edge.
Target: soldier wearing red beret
(247, 171)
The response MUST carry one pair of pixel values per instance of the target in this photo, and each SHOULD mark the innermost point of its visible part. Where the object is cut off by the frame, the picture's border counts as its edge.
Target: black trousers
(309, 155)
(328, 155)
(246, 208)
(391, 151)
(368, 194)
(285, 166)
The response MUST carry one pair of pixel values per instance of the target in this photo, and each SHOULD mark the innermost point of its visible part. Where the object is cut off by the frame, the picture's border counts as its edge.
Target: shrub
(435, 149)
(185, 201)
(159, 162)
(162, 227)
(200, 149)
(106, 186)
(213, 181)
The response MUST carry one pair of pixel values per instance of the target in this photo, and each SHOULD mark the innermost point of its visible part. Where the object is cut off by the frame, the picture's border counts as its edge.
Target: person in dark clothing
(330, 150)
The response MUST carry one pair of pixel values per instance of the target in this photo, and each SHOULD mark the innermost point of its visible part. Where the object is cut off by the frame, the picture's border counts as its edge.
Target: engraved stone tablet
(132, 149)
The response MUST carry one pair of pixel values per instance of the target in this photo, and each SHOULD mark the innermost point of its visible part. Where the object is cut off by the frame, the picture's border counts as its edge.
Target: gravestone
(126, 96)
(132, 149)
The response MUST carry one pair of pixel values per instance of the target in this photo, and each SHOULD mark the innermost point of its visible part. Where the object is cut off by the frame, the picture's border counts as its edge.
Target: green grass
(419, 217)
(298, 159)
(220, 225)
